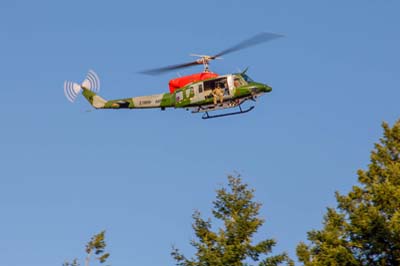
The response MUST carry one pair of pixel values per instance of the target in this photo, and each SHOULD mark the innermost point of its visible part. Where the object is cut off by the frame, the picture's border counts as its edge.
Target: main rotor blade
(256, 39)
(161, 70)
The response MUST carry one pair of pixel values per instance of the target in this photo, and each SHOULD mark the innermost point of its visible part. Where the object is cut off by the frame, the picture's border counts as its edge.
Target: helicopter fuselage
(200, 92)
(197, 96)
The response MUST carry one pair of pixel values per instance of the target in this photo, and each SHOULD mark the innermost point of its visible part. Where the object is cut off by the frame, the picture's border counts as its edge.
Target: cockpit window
(237, 82)
(247, 78)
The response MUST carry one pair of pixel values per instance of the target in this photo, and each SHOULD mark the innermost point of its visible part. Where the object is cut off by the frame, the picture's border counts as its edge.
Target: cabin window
(191, 91)
(179, 96)
(200, 88)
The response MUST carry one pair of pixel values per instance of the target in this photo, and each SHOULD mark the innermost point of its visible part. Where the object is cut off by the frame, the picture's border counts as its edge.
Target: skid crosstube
(208, 116)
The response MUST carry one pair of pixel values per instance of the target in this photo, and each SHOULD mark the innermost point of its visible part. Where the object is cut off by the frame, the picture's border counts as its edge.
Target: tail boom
(91, 85)
(162, 101)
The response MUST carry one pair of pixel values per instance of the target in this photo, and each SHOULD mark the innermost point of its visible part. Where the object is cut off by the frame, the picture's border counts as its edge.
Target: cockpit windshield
(247, 78)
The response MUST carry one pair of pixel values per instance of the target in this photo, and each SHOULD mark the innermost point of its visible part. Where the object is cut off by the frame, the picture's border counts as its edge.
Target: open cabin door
(202, 90)
(222, 82)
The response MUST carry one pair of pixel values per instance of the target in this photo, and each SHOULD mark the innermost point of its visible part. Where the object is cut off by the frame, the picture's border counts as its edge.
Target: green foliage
(365, 227)
(232, 244)
(73, 263)
(97, 246)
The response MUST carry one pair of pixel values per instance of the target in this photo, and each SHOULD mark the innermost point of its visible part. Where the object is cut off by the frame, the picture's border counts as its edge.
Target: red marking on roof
(178, 83)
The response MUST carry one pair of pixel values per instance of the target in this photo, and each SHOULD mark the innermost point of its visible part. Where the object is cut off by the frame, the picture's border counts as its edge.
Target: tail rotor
(71, 90)
(91, 82)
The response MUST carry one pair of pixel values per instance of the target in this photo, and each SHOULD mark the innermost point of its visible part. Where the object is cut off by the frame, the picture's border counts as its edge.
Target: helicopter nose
(264, 88)
(260, 88)
(267, 88)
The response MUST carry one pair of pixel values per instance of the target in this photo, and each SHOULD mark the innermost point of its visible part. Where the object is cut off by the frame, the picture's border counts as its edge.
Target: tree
(232, 244)
(364, 229)
(95, 246)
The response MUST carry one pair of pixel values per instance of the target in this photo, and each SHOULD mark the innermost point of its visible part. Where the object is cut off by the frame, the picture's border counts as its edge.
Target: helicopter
(203, 92)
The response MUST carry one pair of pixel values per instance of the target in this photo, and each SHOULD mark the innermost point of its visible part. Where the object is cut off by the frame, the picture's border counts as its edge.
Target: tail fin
(90, 86)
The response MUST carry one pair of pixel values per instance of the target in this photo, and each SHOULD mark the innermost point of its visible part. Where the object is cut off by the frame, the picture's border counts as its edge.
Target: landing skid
(208, 116)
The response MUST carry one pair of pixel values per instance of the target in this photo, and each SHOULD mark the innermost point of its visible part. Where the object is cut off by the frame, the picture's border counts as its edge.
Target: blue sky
(67, 173)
